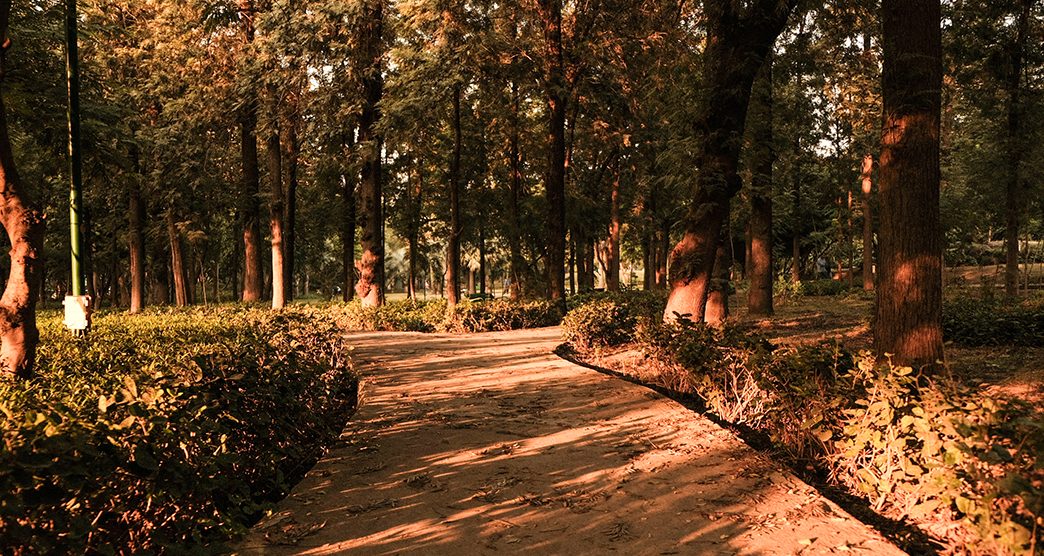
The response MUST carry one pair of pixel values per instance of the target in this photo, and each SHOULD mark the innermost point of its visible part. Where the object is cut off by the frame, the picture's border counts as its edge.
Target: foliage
(987, 322)
(606, 319)
(166, 431)
(432, 316)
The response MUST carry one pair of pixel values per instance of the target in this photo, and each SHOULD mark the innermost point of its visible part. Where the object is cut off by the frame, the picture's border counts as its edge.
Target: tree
(761, 160)
(738, 39)
(253, 276)
(370, 284)
(25, 231)
(908, 321)
(554, 184)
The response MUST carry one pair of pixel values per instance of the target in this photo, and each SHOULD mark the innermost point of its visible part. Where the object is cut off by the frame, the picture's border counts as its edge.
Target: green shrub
(979, 322)
(823, 287)
(166, 431)
(399, 316)
(502, 314)
(600, 323)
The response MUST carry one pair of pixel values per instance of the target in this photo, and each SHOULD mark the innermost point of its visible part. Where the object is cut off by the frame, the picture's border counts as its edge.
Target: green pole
(72, 72)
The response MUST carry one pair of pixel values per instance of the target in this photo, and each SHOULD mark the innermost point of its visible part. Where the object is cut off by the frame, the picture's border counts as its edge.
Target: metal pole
(77, 304)
(72, 70)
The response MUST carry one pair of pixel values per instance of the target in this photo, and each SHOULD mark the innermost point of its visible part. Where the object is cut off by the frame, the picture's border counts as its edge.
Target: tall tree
(453, 241)
(25, 231)
(739, 36)
(908, 321)
(556, 94)
(249, 210)
(276, 205)
(762, 158)
(1016, 147)
(370, 284)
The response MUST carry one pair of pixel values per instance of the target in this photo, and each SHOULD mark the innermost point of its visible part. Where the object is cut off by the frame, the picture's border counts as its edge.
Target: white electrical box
(77, 312)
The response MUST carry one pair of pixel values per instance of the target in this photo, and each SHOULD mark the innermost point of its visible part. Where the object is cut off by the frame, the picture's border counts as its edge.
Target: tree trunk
(482, 258)
(293, 148)
(25, 232)
(275, 210)
(370, 286)
(250, 210)
(762, 158)
(453, 241)
(415, 204)
(136, 247)
(517, 263)
(348, 223)
(160, 275)
(177, 262)
(737, 45)
(1012, 191)
(868, 224)
(612, 266)
(555, 83)
(909, 297)
(663, 254)
(718, 296)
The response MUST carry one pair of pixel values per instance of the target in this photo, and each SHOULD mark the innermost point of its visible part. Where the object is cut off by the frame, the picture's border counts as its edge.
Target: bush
(501, 314)
(823, 287)
(166, 431)
(601, 323)
(979, 322)
(431, 316)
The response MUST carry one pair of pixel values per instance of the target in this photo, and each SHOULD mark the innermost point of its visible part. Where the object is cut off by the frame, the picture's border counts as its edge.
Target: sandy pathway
(489, 443)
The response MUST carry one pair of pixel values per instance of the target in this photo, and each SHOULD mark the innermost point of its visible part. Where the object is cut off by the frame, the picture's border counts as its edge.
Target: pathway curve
(489, 443)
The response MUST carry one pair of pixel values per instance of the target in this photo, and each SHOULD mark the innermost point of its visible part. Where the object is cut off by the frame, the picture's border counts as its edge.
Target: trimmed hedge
(967, 467)
(166, 431)
(431, 316)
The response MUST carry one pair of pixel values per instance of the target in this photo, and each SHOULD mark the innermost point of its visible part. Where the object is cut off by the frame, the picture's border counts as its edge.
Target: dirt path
(489, 443)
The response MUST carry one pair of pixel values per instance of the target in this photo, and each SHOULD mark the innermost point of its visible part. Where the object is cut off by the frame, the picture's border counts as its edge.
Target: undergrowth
(168, 431)
(966, 467)
(434, 316)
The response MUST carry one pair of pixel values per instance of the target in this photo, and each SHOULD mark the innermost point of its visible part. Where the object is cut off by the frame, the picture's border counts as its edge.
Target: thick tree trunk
(737, 44)
(868, 223)
(517, 263)
(1012, 191)
(177, 263)
(136, 247)
(612, 265)
(160, 275)
(909, 296)
(348, 224)
(453, 241)
(759, 228)
(250, 210)
(370, 286)
(25, 232)
(275, 211)
(718, 296)
(555, 83)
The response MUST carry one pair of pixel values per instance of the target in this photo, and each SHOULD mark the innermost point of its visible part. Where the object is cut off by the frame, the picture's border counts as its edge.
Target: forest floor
(490, 443)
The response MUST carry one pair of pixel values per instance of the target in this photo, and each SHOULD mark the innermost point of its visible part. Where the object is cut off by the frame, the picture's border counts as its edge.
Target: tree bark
(24, 225)
(868, 223)
(415, 204)
(555, 83)
(762, 157)
(370, 285)
(293, 148)
(348, 224)
(909, 297)
(612, 274)
(718, 296)
(250, 210)
(738, 39)
(453, 241)
(275, 209)
(136, 248)
(177, 263)
(517, 263)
